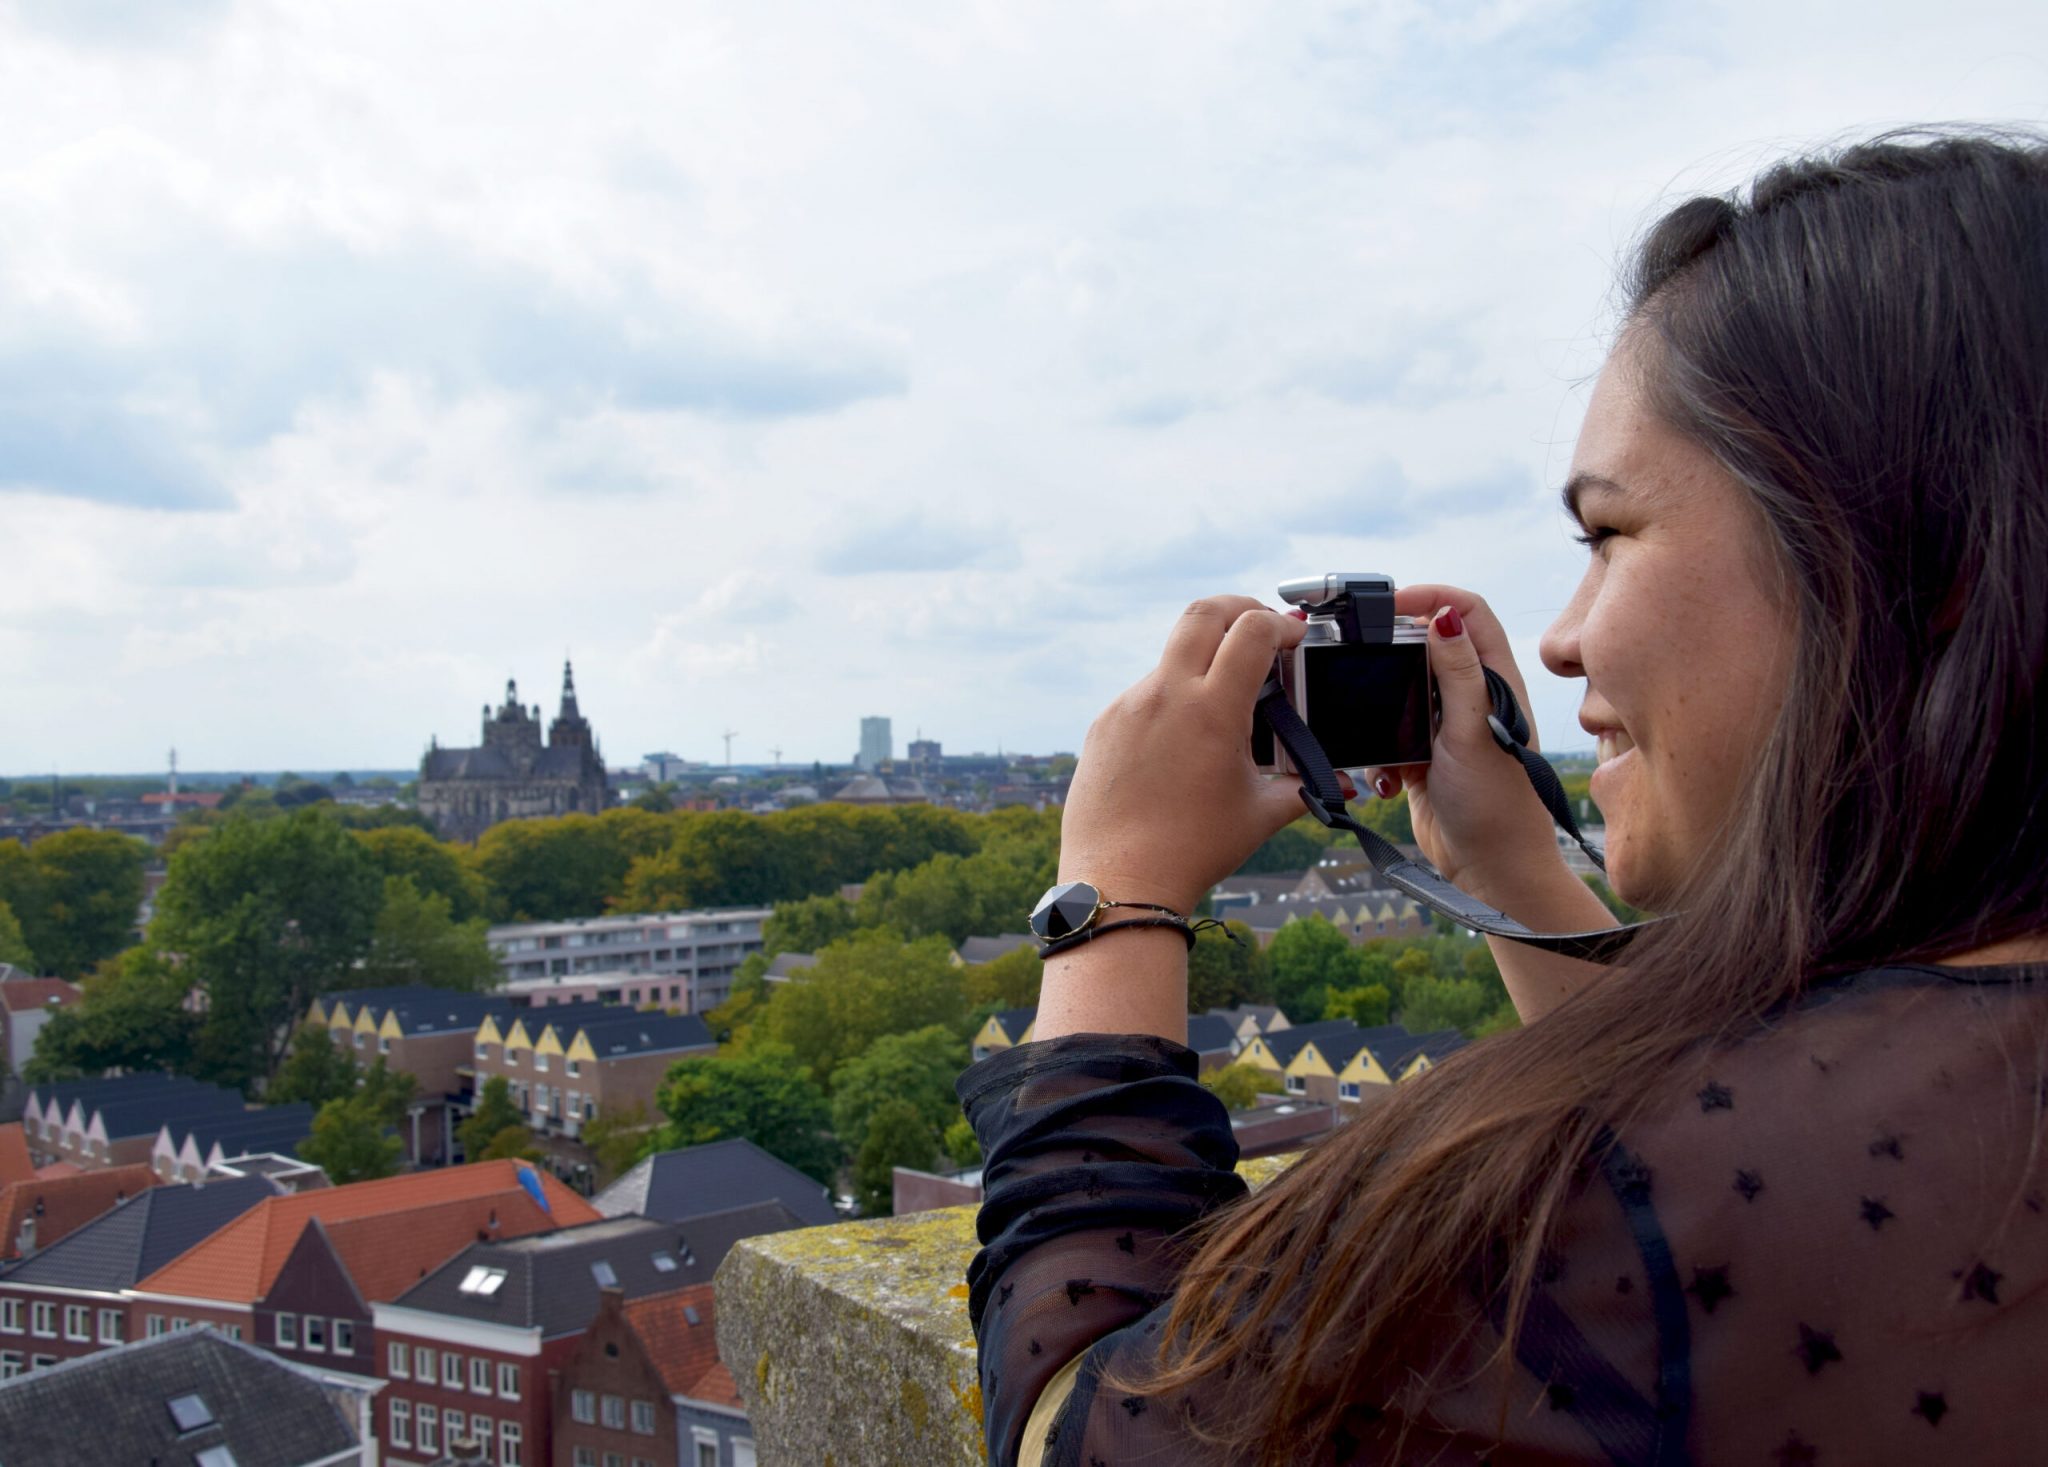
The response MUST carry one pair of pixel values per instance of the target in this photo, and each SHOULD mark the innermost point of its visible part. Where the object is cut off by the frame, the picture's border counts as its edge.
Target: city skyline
(782, 366)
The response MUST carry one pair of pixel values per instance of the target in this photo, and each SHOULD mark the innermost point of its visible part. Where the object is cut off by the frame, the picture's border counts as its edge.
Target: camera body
(1359, 678)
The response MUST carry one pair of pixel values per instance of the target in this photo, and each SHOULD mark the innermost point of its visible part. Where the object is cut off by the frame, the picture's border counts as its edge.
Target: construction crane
(729, 735)
(777, 752)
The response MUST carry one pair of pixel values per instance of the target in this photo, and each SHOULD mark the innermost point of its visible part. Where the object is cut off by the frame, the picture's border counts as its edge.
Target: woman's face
(1682, 638)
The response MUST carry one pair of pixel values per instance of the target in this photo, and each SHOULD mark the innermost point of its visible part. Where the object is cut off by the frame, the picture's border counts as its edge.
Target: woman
(1770, 1188)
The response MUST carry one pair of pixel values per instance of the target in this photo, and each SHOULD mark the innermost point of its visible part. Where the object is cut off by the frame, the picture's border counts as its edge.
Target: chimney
(25, 1240)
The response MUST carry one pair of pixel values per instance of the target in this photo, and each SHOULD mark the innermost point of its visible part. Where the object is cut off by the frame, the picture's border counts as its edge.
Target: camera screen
(1369, 704)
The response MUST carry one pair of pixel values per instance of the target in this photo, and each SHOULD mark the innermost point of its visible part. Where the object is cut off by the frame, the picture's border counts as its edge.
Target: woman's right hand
(1476, 816)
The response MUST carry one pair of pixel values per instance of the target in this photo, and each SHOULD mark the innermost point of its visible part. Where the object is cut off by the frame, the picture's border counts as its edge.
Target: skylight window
(215, 1457)
(664, 1263)
(602, 1272)
(482, 1280)
(190, 1413)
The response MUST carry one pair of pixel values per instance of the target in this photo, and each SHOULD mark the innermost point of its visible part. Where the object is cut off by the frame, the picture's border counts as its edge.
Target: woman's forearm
(1129, 982)
(1545, 896)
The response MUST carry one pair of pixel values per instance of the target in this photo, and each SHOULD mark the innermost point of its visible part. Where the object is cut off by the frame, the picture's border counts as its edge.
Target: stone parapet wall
(851, 1343)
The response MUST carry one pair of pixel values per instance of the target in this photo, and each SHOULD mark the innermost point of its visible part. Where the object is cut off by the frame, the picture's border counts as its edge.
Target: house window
(10, 1316)
(451, 1370)
(43, 1362)
(401, 1422)
(614, 1459)
(643, 1417)
(586, 1457)
(480, 1375)
(508, 1382)
(316, 1332)
(113, 1326)
(397, 1361)
(10, 1364)
(430, 1428)
(483, 1051)
(614, 1412)
(511, 1443)
(705, 1452)
(383, 1046)
(234, 1331)
(78, 1323)
(1297, 1085)
(155, 1326)
(423, 1363)
(287, 1331)
(583, 1406)
(540, 1062)
(43, 1319)
(179, 1326)
(344, 1337)
(742, 1452)
(574, 1067)
(456, 1426)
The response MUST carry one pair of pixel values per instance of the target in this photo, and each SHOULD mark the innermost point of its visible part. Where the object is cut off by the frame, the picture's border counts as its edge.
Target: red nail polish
(1449, 623)
(1385, 785)
(1298, 614)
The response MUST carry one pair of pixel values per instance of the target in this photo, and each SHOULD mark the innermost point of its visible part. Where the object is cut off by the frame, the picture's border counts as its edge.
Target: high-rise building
(877, 746)
(924, 754)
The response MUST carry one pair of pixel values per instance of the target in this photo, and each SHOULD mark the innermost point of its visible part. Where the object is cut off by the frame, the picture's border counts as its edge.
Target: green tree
(918, 1067)
(88, 887)
(955, 897)
(435, 867)
(1389, 818)
(617, 1136)
(722, 859)
(897, 1136)
(132, 1017)
(316, 1070)
(1293, 848)
(1009, 982)
(540, 870)
(1367, 1007)
(1309, 957)
(764, 1096)
(656, 799)
(1223, 974)
(1429, 1003)
(416, 940)
(21, 889)
(1239, 1086)
(265, 914)
(805, 925)
(871, 984)
(352, 1141)
(961, 1143)
(483, 1133)
(14, 946)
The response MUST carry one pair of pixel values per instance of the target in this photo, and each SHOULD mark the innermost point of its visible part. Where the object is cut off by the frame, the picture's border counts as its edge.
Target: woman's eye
(1593, 536)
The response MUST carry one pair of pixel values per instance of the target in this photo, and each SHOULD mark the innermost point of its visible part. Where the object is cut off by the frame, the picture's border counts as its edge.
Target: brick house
(115, 1121)
(37, 1212)
(311, 1300)
(189, 1150)
(566, 1065)
(1210, 1037)
(71, 1299)
(644, 1386)
(478, 1342)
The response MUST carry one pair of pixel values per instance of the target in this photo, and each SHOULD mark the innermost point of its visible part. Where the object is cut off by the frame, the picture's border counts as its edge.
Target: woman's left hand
(1166, 801)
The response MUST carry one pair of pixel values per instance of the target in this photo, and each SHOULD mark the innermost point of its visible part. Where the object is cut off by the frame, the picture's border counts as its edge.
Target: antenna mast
(729, 735)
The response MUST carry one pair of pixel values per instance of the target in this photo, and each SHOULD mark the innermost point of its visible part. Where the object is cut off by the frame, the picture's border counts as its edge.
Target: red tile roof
(60, 1204)
(241, 1261)
(686, 1354)
(15, 1165)
(387, 1254)
(19, 994)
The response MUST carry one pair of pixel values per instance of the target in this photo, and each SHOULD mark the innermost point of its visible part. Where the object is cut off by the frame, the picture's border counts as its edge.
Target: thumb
(1461, 682)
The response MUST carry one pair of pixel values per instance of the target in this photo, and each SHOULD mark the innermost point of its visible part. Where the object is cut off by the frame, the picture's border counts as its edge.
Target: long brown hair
(1862, 341)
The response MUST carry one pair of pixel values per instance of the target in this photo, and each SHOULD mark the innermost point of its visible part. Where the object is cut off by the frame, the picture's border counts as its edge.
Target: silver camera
(1359, 679)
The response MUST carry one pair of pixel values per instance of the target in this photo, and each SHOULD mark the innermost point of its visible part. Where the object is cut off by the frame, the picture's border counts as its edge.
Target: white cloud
(788, 364)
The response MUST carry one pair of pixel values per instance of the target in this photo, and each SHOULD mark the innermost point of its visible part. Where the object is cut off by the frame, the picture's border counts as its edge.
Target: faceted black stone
(1065, 910)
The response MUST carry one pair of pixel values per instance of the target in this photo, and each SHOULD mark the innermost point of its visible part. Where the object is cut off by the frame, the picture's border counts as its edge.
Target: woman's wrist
(1133, 981)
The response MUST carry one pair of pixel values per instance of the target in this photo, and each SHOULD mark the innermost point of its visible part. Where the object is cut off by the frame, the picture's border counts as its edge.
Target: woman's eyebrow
(1577, 486)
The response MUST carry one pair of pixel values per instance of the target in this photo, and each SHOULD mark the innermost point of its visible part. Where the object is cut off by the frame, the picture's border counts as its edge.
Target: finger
(1245, 660)
(1489, 637)
(1192, 644)
(1383, 782)
(1460, 681)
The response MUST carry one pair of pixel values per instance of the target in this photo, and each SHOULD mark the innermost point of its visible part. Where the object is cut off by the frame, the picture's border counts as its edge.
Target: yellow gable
(317, 1013)
(549, 1042)
(579, 1048)
(991, 1035)
(517, 1037)
(1309, 1061)
(1364, 1070)
(389, 1028)
(1416, 1066)
(487, 1031)
(1029, 1030)
(366, 1022)
(1256, 1053)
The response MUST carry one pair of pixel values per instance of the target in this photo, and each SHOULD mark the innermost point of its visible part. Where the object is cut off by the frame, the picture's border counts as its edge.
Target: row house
(471, 1353)
(694, 954)
(1213, 1040)
(1362, 919)
(302, 1273)
(645, 1386)
(566, 1066)
(72, 1298)
(424, 1032)
(114, 1121)
(1336, 1061)
(192, 1150)
(1248, 1021)
(38, 1211)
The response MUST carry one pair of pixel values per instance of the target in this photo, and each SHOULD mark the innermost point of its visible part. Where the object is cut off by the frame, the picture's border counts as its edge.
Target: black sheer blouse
(1829, 1247)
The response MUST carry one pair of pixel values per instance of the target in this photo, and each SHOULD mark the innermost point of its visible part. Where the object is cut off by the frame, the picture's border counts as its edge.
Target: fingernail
(1449, 623)
(1298, 614)
(1385, 785)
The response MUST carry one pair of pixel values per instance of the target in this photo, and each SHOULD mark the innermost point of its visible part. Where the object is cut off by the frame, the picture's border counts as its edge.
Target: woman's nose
(1560, 645)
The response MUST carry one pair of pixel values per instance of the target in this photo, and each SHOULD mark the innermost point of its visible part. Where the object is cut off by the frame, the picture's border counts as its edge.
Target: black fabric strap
(1089, 934)
(1418, 879)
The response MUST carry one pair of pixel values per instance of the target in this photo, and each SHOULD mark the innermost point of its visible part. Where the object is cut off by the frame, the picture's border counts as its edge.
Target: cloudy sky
(788, 362)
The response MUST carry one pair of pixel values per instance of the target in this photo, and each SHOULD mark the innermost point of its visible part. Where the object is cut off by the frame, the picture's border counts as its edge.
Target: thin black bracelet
(1088, 934)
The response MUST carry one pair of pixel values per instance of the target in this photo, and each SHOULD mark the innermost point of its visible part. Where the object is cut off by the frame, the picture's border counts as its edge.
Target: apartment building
(700, 951)
(565, 1066)
(644, 1385)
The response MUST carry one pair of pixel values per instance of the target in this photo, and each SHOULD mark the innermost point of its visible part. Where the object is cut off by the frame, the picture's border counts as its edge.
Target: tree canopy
(765, 1096)
(918, 1068)
(862, 988)
(417, 940)
(897, 1135)
(75, 894)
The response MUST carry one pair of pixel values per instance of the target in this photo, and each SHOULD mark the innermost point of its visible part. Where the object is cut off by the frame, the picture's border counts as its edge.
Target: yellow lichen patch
(958, 1291)
(970, 1400)
(761, 1374)
(915, 1406)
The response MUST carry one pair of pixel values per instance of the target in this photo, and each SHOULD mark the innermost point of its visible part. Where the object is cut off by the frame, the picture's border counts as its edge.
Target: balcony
(851, 1343)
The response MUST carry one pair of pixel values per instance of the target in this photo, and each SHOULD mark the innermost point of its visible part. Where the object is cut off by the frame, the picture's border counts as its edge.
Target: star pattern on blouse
(1796, 1451)
(1816, 1348)
(1133, 1404)
(1710, 1286)
(1932, 1405)
(1127, 1242)
(1981, 1282)
(1888, 1145)
(1749, 1184)
(1716, 1096)
(1003, 1294)
(1876, 1213)
(1077, 1287)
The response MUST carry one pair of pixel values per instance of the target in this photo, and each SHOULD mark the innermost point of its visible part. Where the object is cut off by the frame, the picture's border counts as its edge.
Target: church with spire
(513, 774)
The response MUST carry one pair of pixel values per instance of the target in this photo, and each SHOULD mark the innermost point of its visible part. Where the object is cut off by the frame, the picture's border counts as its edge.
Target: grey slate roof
(637, 1033)
(1330, 1035)
(988, 949)
(423, 1009)
(720, 1175)
(145, 1115)
(1209, 1033)
(114, 1407)
(90, 1092)
(274, 1128)
(140, 1235)
(1265, 1013)
(552, 1280)
(1015, 1021)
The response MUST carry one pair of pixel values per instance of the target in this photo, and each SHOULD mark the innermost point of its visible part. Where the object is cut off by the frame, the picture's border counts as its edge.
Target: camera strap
(1418, 879)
